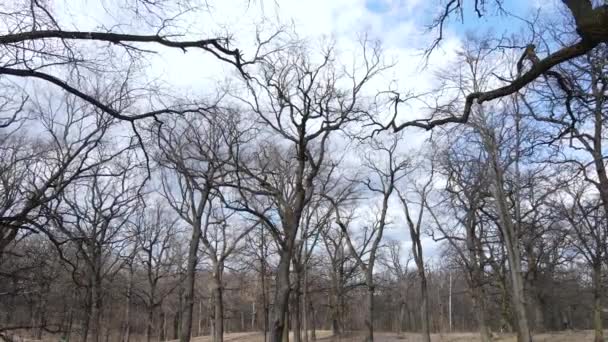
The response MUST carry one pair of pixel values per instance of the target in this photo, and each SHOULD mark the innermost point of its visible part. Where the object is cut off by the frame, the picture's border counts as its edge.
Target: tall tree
(193, 153)
(301, 103)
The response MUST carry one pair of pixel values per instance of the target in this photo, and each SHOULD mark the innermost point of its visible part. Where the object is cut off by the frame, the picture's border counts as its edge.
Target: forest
(193, 170)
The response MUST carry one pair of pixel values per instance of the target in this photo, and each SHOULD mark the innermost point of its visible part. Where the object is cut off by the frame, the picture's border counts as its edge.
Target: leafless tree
(37, 170)
(92, 215)
(38, 43)
(589, 31)
(155, 232)
(221, 237)
(193, 154)
(413, 197)
(300, 103)
(386, 168)
(586, 219)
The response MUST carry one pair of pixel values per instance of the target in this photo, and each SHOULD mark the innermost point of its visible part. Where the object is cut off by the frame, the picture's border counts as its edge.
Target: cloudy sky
(400, 26)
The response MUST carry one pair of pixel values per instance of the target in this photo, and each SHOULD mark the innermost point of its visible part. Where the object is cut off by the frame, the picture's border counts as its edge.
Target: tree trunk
(149, 323)
(597, 302)
(285, 336)
(479, 298)
(96, 309)
(218, 331)
(424, 307)
(176, 326)
(163, 330)
(200, 317)
(511, 243)
(334, 311)
(305, 327)
(297, 318)
(186, 324)
(253, 314)
(369, 319)
(127, 336)
(401, 321)
(281, 303)
(313, 335)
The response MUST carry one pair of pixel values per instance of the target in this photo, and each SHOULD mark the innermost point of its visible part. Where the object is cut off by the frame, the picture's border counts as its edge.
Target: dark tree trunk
(281, 298)
(186, 324)
(369, 319)
(218, 331)
(597, 302)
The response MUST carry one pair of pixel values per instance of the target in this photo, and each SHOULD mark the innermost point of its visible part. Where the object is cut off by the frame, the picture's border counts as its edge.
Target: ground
(569, 336)
(325, 336)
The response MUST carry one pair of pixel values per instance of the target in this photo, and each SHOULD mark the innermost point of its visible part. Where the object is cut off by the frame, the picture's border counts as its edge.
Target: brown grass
(568, 336)
(325, 336)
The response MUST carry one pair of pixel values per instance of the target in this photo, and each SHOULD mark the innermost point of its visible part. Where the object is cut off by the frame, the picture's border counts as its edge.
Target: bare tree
(586, 219)
(221, 238)
(193, 154)
(155, 232)
(399, 269)
(589, 31)
(465, 193)
(386, 167)
(38, 43)
(37, 170)
(92, 215)
(417, 193)
(301, 105)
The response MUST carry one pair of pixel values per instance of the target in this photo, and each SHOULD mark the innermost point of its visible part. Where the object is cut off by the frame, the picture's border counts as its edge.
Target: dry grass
(325, 336)
(254, 337)
(568, 336)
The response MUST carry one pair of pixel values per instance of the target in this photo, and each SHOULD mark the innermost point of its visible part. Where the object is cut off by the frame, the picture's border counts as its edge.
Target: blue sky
(422, 13)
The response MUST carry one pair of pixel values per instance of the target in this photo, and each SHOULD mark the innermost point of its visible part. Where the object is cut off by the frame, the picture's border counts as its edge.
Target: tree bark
(369, 319)
(218, 331)
(597, 302)
(511, 242)
(95, 323)
(186, 324)
(149, 323)
(128, 306)
(424, 306)
(480, 301)
(297, 318)
(281, 298)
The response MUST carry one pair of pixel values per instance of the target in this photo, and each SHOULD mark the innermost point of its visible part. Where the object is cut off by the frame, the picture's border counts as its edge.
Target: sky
(400, 26)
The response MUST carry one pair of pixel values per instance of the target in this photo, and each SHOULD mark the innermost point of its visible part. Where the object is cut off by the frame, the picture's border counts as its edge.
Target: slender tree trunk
(297, 318)
(86, 323)
(334, 311)
(96, 309)
(186, 324)
(218, 331)
(511, 243)
(401, 320)
(285, 336)
(481, 308)
(253, 314)
(200, 317)
(424, 306)
(282, 292)
(313, 320)
(128, 306)
(597, 302)
(369, 319)
(304, 304)
(265, 310)
(149, 322)
(163, 330)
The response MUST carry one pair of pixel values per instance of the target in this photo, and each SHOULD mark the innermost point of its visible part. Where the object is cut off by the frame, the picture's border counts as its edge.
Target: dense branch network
(592, 28)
